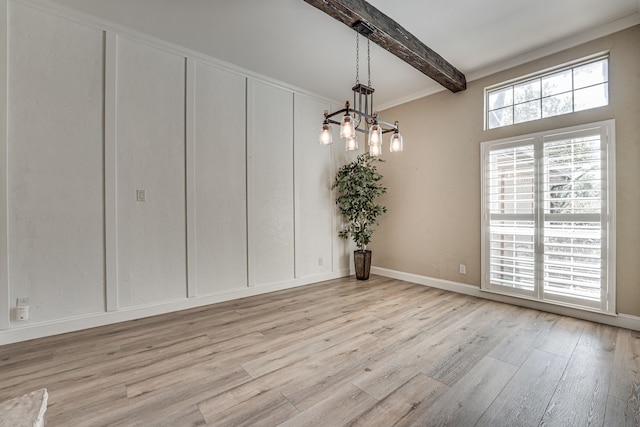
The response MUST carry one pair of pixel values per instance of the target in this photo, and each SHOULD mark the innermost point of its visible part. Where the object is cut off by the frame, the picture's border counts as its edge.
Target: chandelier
(361, 117)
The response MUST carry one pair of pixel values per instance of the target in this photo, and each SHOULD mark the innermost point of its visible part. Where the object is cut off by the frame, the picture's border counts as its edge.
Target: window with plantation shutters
(548, 216)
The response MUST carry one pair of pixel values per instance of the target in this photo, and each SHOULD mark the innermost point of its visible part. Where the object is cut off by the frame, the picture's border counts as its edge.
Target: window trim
(539, 75)
(608, 293)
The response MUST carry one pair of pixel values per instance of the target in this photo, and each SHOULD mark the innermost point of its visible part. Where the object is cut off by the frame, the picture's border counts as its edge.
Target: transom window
(548, 216)
(579, 87)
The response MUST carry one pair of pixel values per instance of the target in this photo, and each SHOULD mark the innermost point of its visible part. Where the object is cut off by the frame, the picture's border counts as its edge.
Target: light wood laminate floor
(377, 353)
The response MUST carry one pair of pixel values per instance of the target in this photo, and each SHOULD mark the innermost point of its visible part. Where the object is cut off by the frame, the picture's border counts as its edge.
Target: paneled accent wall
(144, 178)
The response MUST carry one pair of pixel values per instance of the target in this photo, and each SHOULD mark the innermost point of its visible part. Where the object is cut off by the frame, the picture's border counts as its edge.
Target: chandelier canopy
(361, 117)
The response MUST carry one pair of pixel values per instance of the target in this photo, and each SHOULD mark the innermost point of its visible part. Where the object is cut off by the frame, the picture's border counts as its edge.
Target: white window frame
(607, 303)
(537, 76)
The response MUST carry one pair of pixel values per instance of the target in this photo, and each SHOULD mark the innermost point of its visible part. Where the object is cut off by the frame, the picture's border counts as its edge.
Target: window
(561, 91)
(548, 216)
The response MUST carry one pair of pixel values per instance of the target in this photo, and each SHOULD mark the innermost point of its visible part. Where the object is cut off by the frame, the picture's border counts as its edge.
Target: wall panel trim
(251, 281)
(110, 169)
(190, 177)
(5, 307)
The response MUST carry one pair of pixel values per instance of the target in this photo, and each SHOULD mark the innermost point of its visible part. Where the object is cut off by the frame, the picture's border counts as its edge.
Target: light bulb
(352, 143)
(375, 150)
(325, 135)
(346, 127)
(395, 144)
(375, 135)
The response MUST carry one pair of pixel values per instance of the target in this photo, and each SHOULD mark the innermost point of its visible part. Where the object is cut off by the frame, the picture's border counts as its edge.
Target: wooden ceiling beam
(390, 35)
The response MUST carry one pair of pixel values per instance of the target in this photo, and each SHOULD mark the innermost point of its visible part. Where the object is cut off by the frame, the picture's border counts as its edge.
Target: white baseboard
(620, 320)
(45, 329)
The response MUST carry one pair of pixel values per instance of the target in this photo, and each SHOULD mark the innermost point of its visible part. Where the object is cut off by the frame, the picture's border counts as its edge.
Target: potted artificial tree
(358, 185)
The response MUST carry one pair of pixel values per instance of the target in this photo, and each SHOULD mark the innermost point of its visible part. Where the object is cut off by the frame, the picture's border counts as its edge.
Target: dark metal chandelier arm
(391, 127)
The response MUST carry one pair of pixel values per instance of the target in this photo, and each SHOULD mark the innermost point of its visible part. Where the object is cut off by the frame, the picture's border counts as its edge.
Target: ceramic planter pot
(362, 261)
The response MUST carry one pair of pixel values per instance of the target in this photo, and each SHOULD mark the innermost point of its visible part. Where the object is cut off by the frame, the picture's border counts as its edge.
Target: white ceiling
(293, 42)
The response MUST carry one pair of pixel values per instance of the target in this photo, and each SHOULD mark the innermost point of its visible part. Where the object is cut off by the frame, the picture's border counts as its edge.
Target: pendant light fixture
(362, 117)
(326, 137)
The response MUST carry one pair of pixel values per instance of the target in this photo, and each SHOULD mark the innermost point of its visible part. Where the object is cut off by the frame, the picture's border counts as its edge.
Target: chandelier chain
(368, 62)
(357, 57)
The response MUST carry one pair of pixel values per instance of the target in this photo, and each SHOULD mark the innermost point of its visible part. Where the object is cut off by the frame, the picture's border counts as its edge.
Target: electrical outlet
(462, 269)
(140, 195)
(22, 308)
(320, 262)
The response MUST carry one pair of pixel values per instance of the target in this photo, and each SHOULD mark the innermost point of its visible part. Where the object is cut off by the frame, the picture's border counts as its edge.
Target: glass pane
(558, 104)
(526, 91)
(572, 258)
(572, 186)
(591, 74)
(512, 254)
(557, 83)
(511, 181)
(591, 97)
(501, 117)
(573, 177)
(527, 111)
(501, 98)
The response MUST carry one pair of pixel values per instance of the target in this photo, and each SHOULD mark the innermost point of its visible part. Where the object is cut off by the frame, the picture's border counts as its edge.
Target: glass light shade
(375, 135)
(375, 150)
(352, 143)
(395, 143)
(346, 127)
(325, 135)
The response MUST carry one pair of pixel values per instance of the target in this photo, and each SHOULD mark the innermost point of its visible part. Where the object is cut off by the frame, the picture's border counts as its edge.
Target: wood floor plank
(392, 367)
(516, 347)
(525, 397)
(346, 404)
(626, 371)
(64, 407)
(598, 336)
(192, 387)
(465, 402)
(473, 342)
(270, 408)
(301, 350)
(80, 415)
(322, 375)
(619, 414)
(411, 398)
(562, 337)
(246, 390)
(163, 403)
(581, 396)
(624, 388)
